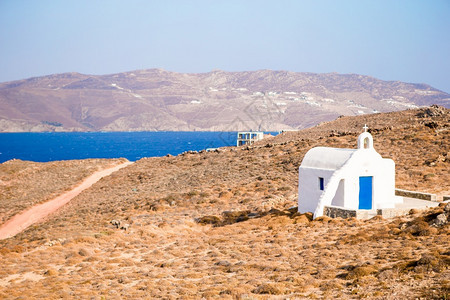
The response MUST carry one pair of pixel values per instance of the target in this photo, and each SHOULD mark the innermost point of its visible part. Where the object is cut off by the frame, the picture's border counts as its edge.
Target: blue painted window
(321, 184)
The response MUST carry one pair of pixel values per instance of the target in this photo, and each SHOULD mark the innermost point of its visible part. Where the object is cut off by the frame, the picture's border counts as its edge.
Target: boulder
(440, 220)
(115, 223)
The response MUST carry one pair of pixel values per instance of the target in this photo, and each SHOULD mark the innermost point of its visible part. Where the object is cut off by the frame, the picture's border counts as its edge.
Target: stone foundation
(387, 213)
(411, 200)
(363, 214)
(416, 195)
(339, 212)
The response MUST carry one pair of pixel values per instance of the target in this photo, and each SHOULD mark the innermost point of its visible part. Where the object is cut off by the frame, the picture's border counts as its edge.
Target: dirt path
(21, 221)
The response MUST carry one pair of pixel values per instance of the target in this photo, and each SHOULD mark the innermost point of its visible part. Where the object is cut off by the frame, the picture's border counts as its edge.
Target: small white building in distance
(354, 179)
(249, 137)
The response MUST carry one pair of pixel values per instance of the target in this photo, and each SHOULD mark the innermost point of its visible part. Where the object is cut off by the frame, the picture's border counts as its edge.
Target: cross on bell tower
(365, 127)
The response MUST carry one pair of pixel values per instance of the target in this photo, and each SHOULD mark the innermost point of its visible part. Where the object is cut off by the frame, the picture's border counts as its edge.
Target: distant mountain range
(158, 100)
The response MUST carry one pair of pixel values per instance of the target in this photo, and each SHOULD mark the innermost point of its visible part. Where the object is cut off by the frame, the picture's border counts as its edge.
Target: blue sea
(51, 146)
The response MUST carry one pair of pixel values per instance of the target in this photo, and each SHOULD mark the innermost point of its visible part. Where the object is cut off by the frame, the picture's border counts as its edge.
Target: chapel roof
(326, 158)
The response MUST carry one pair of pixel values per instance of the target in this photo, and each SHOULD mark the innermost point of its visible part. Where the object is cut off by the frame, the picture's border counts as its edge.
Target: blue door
(365, 192)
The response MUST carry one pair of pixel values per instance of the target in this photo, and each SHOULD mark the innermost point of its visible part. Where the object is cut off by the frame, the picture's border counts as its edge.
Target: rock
(115, 223)
(447, 208)
(432, 111)
(55, 242)
(156, 207)
(125, 226)
(440, 220)
(223, 263)
(253, 215)
(267, 288)
(432, 125)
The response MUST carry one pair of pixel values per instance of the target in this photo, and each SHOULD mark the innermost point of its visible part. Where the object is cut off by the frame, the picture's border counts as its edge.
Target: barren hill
(155, 99)
(218, 225)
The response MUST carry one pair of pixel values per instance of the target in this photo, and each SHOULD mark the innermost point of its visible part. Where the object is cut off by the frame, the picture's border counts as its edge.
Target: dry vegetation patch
(25, 183)
(224, 225)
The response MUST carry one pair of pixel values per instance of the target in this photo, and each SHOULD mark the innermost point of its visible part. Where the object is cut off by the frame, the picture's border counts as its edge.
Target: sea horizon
(132, 145)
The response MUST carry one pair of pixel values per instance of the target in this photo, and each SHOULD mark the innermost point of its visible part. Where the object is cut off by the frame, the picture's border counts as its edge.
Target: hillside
(158, 100)
(218, 225)
(26, 183)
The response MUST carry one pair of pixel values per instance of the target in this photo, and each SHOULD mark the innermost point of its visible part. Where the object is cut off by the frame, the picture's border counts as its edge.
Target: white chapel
(356, 179)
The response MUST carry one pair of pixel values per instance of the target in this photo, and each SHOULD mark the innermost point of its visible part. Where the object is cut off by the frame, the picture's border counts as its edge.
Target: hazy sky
(388, 39)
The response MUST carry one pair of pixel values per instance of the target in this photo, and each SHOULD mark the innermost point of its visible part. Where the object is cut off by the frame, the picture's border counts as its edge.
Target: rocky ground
(219, 225)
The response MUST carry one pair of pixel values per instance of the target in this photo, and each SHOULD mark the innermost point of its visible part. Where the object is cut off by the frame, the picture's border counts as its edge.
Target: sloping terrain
(37, 213)
(218, 225)
(25, 183)
(150, 100)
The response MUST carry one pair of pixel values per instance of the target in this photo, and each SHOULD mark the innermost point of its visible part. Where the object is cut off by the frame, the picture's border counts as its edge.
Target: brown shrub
(323, 219)
(331, 285)
(405, 266)
(395, 231)
(18, 249)
(309, 215)
(427, 262)
(268, 288)
(84, 252)
(51, 272)
(213, 220)
(284, 188)
(360, 272)
(357, 238)
(85, 239)
(302, 219)
(386, 275)
(376, 219)
(4, 251)
(431, 262)
(231, 217)
(278, 221)
(419, 227)
(156, 207)
(225, 195)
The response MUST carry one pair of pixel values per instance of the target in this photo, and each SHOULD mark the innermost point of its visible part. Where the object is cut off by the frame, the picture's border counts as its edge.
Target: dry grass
(266, 255)
(24, 183)
(218, 225)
